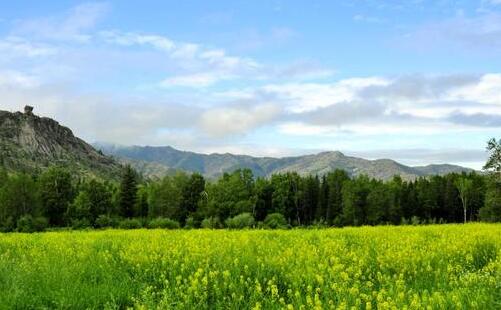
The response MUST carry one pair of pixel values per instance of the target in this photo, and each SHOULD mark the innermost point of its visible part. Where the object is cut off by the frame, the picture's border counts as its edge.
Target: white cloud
(130, 39)
(486, 91)
(193, 80)
(225, 121)
(14, 47)
(72, 26)
(13, 79)
(304, 97)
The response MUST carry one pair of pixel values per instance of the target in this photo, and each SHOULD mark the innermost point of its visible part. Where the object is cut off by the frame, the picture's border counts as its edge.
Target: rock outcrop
(30, 143)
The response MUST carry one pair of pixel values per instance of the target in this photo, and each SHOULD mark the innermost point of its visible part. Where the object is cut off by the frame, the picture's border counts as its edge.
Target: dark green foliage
(491, 212)
(56, 194)
(18, 197)
(130, 224)
(275, 221)
(494, 162)
(162, 222)
(141, 207)
(29, 224)
(190, 223)
(191, 194)
(211, 223)
(244, 220)
(128, 192)
(80, 210)
(284, 200)
(105, 221)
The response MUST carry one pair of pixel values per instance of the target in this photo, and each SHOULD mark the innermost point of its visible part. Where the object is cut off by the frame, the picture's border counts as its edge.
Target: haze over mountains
(163, 160)
(29, 143)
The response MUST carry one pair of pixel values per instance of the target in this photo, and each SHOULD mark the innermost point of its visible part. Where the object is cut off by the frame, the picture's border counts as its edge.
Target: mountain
(144, 157)
(30, 143)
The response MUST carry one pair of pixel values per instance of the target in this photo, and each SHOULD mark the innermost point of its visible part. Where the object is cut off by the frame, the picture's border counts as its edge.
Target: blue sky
(416, 81)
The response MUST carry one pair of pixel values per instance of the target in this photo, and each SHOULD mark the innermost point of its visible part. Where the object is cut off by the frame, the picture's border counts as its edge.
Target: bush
(162, 222)
(415, 220)
(190, 223)
(130, 224)
(243, 220)
(275, 220)
(321, 223)
(104, 221)
(28, 224)
(7, 225)
(211, 223)
(80, 223)
(40, 223)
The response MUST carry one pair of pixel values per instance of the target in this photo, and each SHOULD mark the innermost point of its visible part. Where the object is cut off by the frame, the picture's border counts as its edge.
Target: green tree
(99, 196)
(334, 207)
(80, 209)
(232, 194)
(56, 194)
(378, 204)
(191, 194)
(128, 192)
(18, 197)
(165, 198)
(491, 211)
(493, 163)
(355, 194)
(264, 195)
(141, 207)
(464, 187)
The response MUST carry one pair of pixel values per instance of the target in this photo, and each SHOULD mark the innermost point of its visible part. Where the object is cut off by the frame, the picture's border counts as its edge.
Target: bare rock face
(29, 142)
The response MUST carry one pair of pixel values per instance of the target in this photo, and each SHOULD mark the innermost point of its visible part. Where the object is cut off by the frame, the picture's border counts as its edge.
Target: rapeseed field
(405, 267)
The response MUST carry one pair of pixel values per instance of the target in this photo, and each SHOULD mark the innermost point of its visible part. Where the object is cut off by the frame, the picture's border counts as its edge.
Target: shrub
(211, 223)
(130, 224)
(321, 223)
(40, 223)
(190, 223)
(104, 221)
(28, 224)
(162, 222)
(243, 220)
(415, 220)
(80, 223)
(7, 225)
(275, 220)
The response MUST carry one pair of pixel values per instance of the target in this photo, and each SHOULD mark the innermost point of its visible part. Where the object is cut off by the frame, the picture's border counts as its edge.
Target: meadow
(386, 267)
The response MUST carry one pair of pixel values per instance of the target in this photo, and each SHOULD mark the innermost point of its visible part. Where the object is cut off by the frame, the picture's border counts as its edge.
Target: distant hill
(214, 165)
(31, 143)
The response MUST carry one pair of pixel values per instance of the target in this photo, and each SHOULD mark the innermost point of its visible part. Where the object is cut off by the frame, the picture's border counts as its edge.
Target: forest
(55, 198)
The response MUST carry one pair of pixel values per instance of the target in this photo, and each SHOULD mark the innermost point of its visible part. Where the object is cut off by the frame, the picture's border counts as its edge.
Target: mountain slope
(30, 143)
(214, 165)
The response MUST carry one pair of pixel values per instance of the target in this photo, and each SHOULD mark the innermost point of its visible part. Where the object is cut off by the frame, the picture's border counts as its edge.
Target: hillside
(31, 143)
(214, 165)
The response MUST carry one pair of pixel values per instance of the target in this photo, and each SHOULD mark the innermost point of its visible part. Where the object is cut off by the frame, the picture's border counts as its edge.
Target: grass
(441, 267)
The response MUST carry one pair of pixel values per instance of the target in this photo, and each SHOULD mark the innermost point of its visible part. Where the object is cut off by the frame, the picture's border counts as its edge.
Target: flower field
(407, 267)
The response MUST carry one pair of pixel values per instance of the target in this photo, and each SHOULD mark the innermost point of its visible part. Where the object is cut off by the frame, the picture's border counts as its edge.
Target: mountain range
(31, 143)
(166, 160)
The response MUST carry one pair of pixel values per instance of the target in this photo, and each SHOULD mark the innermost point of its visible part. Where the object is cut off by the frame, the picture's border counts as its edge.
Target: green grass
(443, 267)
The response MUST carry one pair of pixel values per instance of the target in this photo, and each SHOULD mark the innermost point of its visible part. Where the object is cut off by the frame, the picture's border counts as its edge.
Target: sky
(416, 81)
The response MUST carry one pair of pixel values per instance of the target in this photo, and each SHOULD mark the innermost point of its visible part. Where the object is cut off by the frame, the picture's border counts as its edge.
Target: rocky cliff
(31, 143)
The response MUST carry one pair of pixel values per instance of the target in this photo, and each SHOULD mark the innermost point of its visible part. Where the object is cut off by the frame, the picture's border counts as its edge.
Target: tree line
(55, 198)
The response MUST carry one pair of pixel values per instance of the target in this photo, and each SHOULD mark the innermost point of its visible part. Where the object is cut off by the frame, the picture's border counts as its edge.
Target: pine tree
(128, 192)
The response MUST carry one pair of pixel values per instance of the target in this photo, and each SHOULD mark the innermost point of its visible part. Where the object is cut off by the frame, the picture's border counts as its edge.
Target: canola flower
(407, 267)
